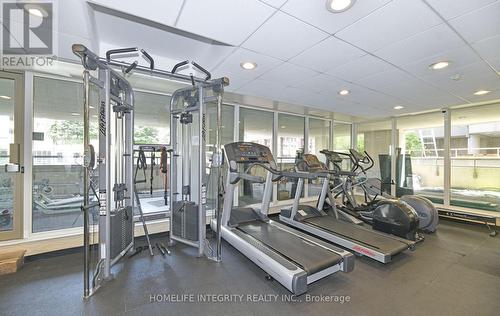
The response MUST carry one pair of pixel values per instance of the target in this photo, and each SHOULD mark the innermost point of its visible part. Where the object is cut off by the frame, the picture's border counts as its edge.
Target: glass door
(11, 156)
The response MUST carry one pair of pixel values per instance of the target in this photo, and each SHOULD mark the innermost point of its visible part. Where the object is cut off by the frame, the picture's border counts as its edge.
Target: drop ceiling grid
(371, 42)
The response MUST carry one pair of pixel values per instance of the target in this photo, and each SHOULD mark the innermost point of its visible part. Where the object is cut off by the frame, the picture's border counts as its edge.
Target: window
(227, 136)
(421, 164)
(151, 127)
(341, 136)
(255, 126)
(7, 183)
(57, 154)
(475, 157)
(319, 139)
(342, 140)
(290, 145)
(375, 139)
(151, 118)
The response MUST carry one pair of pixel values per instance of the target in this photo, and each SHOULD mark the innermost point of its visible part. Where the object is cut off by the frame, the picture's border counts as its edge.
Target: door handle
(14, 159)
(12, 168)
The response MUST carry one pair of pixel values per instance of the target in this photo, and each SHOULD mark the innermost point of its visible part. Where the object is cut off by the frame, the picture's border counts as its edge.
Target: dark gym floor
(453, 272)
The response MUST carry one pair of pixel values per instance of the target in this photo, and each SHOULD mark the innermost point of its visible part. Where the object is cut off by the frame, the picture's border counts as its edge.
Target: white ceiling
(379, 49)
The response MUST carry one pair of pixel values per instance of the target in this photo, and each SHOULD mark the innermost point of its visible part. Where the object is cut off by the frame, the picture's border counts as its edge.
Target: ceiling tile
(428, 43)
(360, 68)
(424, 95)
(395, 21)
(217, 18)
(477, 76)
(273, 90)
(274, 3)
(488, 48)
(120, 32)
(327, 54)
(479, 24)
(332, 103)
(452, 8)
(288, 74)
(321, 82)
(387, 78)
(403, 86)
(235, 82)
(493, 95)
(164, 12)
(231, 65)
(365, 97)
(458, 58)
(314, 12)
(283, 36)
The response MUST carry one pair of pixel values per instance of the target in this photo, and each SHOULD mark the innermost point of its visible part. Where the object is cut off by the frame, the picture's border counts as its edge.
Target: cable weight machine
(189, 178)
(108, 205)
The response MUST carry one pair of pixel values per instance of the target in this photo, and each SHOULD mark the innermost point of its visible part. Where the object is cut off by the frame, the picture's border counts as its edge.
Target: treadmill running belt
(311, 257)
(372, 239)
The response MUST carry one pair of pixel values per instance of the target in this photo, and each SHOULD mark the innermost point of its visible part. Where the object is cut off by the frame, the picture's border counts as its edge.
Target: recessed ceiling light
(35, 10)
(337, 6)
(481, 92)
(75, 114)
(344, 92)
(283, 126)
(398, 107)
(6, 97)
(91, 107)
(439, 65)
(248, 65)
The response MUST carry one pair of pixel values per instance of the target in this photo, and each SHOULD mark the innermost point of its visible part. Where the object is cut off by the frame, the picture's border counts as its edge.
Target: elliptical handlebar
(358, 159)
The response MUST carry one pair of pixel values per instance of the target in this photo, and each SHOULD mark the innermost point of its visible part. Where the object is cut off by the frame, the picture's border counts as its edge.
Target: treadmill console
(245, 152)
(310, 163)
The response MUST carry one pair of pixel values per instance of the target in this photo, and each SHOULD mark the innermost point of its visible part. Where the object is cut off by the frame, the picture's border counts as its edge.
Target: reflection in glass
(290, 146)
(475, 157)
(151, 118)
(257, 127)
(421, 163)
(7, 90)
(375, 139)
(319, 139)
(342, 141)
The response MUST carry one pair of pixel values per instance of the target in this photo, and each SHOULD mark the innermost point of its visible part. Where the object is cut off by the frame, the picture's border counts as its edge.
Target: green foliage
(413, 143)
(342, 142)
(146, 135)
(70, 132)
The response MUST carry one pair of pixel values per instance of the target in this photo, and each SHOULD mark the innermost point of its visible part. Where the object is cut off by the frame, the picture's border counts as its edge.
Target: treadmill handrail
(284, 174)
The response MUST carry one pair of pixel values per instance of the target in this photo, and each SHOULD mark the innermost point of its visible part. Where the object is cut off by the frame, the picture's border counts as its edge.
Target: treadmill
(291, 257)
(334, 228)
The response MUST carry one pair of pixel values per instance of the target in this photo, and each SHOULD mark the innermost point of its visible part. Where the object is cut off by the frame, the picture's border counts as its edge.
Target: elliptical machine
(425, 209)
(386, 215)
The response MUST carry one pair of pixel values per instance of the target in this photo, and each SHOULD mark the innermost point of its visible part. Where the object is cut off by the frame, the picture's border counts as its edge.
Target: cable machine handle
(120, 51)
(196, 65)
(149, 58)
(206, 72)
(178, 65)
(131, 67)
